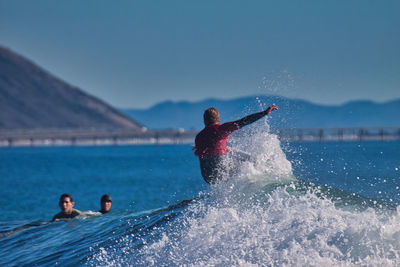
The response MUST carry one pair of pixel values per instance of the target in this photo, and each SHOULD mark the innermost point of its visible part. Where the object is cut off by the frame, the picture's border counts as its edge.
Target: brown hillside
(31, 98)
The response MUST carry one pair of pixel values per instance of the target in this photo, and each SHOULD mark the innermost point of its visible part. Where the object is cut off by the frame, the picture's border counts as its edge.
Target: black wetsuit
(61, 215)
(213, 167)
(103, 211)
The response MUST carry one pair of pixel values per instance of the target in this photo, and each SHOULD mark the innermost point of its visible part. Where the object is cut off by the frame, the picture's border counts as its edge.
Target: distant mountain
(32, 98)
(293, 113)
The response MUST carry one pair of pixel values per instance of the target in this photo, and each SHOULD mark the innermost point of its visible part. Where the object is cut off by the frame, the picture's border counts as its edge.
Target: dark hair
(106, 198)
(211, 116)
(65, 195)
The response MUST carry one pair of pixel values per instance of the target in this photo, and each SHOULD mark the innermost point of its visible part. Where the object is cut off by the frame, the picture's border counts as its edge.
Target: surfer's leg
(213, 168)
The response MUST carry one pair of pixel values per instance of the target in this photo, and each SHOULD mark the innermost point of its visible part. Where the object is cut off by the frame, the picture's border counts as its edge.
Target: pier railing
(115, 137)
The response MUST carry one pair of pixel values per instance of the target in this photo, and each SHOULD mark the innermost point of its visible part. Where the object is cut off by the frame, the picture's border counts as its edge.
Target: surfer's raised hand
(256, 116)
(271, 108)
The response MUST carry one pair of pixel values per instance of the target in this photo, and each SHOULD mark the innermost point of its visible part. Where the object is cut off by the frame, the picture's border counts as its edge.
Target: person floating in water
(211, 142)
(105, 203)
(66, 205)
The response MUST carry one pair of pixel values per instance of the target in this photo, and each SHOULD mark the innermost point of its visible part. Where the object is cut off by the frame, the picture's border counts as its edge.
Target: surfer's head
(66, 203)
(211, 116)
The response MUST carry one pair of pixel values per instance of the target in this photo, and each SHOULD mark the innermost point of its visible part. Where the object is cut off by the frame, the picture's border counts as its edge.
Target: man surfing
(211, 142)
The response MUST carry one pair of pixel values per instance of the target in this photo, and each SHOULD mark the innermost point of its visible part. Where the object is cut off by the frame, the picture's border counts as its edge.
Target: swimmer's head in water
(211, 116)
(106, 203)
(66, 203)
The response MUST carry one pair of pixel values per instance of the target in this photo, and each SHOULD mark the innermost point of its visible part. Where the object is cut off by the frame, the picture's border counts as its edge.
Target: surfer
(211, 142)
(105, 203)
(66, 205)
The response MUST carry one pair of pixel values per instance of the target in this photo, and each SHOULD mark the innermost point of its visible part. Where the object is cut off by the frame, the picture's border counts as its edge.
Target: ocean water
(293, 204)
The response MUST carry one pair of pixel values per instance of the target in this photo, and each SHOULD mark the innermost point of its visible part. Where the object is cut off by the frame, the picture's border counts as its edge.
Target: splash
(278, 81)
(281, 230)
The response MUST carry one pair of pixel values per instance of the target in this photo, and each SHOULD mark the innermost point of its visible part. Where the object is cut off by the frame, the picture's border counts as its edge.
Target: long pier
(59, 137)
(91, 137)
(340, 134)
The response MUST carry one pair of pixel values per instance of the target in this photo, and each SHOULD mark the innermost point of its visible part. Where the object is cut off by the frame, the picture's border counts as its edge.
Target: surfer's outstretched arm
(256, 116)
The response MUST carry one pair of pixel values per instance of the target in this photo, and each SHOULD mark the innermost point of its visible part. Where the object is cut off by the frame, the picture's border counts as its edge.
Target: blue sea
(293, 204)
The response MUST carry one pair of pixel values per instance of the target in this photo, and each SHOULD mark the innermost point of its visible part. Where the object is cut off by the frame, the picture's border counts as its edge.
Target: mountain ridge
(293, 113)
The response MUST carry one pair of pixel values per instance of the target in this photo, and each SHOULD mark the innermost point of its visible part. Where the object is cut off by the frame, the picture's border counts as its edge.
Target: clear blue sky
(137, 53)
